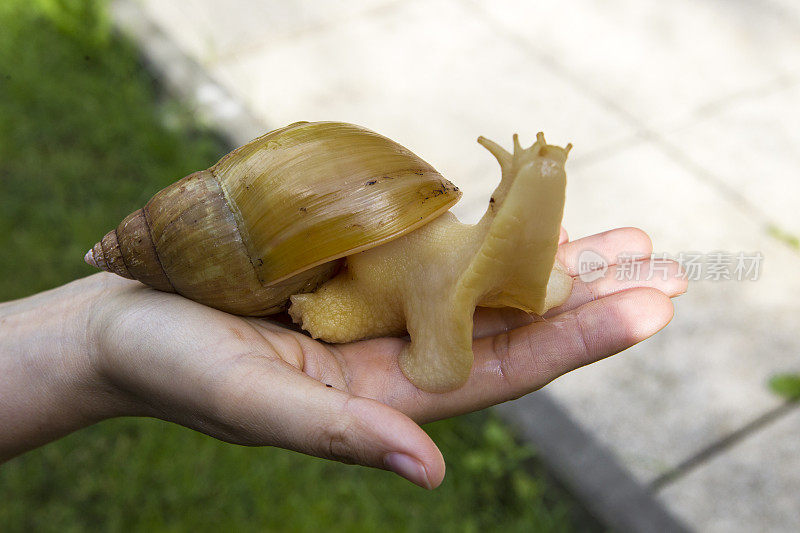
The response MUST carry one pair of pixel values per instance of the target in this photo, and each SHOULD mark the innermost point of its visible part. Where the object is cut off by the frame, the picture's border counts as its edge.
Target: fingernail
(407, 467)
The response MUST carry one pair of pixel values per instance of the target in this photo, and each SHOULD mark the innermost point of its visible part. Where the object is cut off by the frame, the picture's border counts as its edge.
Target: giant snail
(351, 232)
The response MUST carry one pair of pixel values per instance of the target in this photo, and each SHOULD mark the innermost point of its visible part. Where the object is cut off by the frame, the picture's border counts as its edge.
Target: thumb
(360, 430)
(291, 410)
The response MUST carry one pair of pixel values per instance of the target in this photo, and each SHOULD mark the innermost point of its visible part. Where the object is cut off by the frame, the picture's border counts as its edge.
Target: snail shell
(274, 217)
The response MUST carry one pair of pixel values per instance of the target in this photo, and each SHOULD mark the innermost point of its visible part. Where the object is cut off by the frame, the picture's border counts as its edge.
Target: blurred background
(685, 121)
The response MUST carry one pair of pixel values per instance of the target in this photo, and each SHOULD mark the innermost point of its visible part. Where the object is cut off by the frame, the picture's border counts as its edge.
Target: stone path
(685, 121)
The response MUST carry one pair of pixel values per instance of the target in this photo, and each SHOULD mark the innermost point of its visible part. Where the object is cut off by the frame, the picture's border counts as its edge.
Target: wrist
(49, 383)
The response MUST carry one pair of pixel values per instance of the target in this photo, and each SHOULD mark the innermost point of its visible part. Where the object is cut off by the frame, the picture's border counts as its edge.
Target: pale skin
(104, 346)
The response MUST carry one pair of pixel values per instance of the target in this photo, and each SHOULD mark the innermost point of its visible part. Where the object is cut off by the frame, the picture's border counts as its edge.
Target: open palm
(259, 382)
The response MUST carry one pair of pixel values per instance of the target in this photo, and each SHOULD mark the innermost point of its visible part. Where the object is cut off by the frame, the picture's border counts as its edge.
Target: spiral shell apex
(128, 251)
(274, 217)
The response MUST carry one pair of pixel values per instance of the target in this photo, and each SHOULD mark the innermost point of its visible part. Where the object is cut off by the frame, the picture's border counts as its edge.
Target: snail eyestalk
(429, 281)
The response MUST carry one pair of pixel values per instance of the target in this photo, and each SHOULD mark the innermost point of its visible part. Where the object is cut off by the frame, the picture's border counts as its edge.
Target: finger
(488, 321)
(665, 276)
(515, 363)
(277, 404)
(562, 236)
(609, 245)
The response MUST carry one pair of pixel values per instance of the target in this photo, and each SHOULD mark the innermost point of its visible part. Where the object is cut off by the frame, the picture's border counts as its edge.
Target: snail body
(274, 217)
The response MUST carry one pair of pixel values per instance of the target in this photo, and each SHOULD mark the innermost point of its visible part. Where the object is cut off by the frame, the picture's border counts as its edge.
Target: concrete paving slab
(657, 61)
(210, 31)
(752, 487)
(435, 77)
(752, 146)
(704, 376)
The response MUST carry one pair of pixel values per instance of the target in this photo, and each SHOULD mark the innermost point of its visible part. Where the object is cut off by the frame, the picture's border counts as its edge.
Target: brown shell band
(112, 256)
(135, 244)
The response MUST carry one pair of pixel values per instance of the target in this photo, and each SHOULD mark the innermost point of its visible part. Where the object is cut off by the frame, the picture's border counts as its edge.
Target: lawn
(87, 136)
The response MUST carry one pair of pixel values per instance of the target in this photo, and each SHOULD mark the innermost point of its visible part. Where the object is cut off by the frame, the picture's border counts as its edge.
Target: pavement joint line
(703, 174)
(698, 171)
(702, 113)
(723, 445)
(714, 108)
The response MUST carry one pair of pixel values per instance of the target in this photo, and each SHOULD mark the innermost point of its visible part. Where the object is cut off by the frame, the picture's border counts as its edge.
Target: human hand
(256, 382)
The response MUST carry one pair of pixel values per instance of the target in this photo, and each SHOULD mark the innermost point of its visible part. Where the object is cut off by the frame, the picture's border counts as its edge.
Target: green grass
(139, 475)
(786, 386)
(85, 138)
(784, 236)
